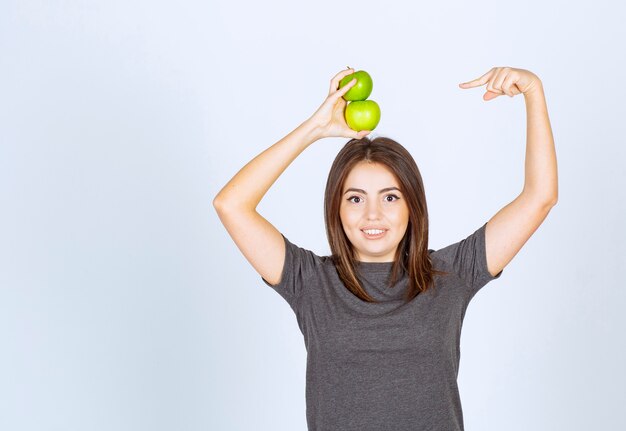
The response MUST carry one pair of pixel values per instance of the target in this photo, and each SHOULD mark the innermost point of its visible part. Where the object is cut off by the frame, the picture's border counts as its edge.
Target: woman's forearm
(540, 167)
(246, 189)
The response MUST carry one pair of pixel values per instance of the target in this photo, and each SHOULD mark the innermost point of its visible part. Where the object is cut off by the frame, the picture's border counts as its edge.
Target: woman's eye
(357, 199)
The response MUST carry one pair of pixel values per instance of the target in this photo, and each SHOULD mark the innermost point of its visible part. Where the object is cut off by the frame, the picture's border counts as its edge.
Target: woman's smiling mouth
(374, 233)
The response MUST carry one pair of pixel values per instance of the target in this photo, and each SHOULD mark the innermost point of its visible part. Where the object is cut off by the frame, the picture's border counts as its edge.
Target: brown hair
(412, 253)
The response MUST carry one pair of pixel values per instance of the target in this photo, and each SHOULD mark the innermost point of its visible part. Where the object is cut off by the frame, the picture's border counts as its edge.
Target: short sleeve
(468, 259)
(299, 267)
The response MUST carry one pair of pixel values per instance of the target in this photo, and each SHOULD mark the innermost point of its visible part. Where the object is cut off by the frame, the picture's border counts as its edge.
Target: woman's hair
(412, 253)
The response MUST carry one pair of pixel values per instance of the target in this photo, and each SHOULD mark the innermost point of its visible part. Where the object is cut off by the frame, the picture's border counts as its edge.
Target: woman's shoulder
(306, 254)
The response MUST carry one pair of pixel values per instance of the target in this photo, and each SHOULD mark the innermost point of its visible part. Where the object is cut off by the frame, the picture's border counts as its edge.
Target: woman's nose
(373, 210)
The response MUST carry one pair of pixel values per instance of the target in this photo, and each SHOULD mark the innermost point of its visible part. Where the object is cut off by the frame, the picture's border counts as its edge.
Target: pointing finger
(478, 81)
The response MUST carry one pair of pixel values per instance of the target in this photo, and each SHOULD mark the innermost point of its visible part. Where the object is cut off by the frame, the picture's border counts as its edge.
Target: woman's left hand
(505, 80)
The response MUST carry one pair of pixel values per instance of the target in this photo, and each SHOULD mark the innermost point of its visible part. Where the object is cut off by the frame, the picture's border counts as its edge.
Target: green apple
(361, 90)
(362, 115)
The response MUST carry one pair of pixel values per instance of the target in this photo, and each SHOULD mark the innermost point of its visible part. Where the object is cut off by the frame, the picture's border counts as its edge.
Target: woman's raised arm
(511, 227)
(259, 241)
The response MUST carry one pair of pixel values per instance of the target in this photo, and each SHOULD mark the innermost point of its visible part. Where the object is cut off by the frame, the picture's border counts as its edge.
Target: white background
(125, 305)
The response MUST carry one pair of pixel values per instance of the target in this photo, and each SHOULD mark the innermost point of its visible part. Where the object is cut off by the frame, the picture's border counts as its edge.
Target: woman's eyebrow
(387, 189)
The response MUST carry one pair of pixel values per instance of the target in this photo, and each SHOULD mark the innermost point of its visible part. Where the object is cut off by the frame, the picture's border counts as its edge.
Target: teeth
(373, 231)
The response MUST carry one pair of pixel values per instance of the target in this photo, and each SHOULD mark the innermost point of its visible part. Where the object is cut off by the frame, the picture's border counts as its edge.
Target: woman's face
(371, 202)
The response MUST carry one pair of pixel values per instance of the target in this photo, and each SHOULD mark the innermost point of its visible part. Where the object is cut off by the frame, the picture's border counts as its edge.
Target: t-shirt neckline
(374, 266)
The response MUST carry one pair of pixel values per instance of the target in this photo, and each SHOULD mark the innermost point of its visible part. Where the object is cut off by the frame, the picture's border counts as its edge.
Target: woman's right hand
(329, 118)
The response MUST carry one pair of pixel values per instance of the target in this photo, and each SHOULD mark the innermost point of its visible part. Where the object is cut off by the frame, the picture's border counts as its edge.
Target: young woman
(381, 316)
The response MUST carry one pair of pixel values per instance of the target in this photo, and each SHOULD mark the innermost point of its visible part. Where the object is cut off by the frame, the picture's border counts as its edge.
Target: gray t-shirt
(388, 365)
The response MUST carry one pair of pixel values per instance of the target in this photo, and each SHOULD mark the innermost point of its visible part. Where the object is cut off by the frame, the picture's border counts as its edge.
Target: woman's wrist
(311, 131)
(535, 91)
